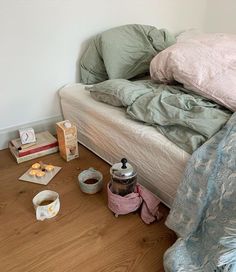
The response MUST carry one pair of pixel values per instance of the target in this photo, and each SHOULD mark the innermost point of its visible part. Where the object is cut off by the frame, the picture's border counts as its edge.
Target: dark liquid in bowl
(46, 202)
(90, 181)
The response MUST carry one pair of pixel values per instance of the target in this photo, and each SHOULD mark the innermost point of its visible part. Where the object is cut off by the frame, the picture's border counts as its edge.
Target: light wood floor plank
(85, 236)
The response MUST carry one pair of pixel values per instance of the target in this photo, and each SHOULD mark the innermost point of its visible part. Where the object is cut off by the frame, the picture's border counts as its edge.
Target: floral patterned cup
(46, 204)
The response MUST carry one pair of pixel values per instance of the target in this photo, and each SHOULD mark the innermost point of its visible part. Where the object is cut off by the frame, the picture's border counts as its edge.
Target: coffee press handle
(124, 161)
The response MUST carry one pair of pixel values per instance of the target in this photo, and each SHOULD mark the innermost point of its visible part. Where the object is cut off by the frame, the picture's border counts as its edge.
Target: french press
(123, 178)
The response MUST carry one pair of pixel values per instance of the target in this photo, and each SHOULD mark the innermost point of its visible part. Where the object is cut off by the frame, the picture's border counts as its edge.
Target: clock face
(27, 136)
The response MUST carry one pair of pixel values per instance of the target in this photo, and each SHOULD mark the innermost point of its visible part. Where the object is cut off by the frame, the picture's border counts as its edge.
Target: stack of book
(45, 144)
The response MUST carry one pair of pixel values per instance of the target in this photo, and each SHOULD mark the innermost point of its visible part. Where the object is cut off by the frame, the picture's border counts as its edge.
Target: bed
(200, 105)
(180, 117)
(108, 132)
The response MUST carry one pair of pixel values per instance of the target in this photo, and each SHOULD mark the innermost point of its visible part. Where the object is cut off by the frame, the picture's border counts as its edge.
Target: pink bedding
(205, 64)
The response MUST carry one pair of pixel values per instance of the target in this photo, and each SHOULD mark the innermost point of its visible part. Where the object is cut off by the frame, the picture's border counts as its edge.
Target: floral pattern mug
(46, 204)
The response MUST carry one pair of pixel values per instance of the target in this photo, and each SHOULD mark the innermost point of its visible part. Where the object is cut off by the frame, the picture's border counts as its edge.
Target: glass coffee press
(123, 178)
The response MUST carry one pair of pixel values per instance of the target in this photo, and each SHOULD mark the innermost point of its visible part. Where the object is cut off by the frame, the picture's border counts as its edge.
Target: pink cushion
(205, 64)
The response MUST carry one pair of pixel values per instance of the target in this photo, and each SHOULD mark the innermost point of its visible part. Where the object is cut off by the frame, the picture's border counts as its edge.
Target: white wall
(220, 16)
(42, 40)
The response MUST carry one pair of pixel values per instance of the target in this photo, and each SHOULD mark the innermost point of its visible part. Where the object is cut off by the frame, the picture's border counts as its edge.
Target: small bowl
(87, 176)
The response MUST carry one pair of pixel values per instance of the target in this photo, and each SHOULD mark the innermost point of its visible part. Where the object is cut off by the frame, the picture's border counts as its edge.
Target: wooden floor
(85, 236)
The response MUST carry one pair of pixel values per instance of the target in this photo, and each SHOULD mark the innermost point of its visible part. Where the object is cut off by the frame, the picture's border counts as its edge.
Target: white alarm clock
(27, 135)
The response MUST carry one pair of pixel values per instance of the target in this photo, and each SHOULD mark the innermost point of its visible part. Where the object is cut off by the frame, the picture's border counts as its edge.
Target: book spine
(35, 155)
(23, 153)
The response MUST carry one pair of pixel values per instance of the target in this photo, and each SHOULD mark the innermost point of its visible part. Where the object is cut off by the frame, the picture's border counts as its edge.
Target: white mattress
(108, 132)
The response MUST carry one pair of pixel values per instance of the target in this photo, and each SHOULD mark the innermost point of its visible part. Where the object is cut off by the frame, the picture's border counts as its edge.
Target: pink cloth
(141, 197)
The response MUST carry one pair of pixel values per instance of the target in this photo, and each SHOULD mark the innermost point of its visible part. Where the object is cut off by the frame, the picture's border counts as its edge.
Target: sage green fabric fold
(117, 92)
(92, 68)
(122, 52)
(186, 119)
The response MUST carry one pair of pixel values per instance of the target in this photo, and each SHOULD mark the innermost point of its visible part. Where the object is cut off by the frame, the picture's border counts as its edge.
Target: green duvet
(186, 119)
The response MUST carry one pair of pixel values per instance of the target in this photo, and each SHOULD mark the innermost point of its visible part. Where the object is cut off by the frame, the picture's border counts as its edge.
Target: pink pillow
(204, 64)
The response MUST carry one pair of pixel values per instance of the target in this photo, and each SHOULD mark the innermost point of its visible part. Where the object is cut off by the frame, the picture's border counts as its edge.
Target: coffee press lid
(123, 170)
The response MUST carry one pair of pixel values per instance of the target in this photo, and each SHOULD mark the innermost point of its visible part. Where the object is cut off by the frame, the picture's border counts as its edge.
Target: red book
(23, 153)
(44, 140)
(18, 159)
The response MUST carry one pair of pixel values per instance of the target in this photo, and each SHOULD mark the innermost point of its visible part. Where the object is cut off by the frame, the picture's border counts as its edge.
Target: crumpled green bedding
(186, 119)
(122, 52)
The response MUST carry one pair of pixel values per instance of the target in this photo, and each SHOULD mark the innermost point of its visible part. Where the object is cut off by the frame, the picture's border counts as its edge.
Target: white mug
(46, 204)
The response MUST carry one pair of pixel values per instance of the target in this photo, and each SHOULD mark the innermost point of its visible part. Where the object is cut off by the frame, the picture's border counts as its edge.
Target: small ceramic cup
(46, 204)
(86, 177)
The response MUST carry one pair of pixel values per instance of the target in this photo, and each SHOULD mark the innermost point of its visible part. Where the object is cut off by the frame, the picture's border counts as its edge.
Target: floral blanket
(204, 211)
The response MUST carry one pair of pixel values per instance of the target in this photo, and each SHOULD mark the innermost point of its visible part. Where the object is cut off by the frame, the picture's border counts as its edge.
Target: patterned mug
(46, 204)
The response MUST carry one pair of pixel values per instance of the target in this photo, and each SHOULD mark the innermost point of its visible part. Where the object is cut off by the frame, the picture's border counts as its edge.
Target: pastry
(49, 167)
(40, 174)
(36, 166)
(33, 172)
